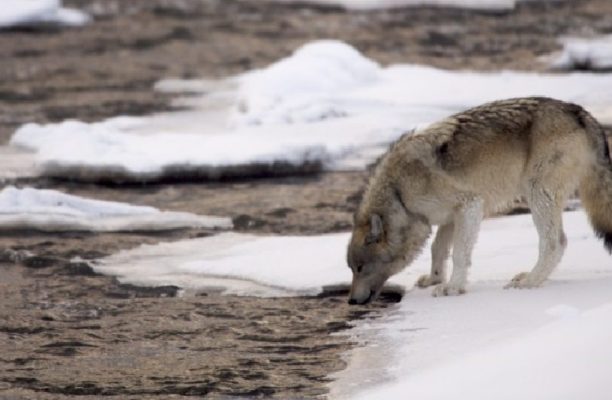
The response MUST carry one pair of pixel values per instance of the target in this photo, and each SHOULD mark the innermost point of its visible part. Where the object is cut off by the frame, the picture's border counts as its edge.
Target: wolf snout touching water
(468, 166)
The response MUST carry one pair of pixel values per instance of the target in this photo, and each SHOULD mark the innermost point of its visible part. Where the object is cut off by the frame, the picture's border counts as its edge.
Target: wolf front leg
(466, 226)
(440, 250)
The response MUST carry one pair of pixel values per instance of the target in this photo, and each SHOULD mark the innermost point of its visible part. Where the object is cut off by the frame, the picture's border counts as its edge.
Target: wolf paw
(446, 289)
(524, 280)
(427, 281)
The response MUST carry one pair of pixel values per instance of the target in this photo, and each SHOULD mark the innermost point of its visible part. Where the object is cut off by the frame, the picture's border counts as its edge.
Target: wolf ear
(376, 229)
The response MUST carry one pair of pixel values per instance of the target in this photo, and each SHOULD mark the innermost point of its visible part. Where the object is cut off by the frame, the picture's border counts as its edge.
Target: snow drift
(50, 210)
(106, 151)
(28, 13)
(304, 87)
(324, 107)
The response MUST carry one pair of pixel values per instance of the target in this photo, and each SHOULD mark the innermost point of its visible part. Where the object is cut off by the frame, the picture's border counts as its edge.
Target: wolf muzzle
(371, 296)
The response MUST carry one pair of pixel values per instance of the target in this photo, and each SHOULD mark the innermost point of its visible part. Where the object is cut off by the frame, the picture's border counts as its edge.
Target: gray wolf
(472, 165)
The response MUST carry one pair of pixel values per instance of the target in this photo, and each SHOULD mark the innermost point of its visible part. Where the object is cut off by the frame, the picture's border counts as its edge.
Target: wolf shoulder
(495, 131)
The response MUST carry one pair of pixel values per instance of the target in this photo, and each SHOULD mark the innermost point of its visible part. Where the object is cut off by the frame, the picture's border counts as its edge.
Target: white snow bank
(40, 12)
(325, 105)
(328, 80)
(487, 333)
(105, 150)
(305, 86)
(485, 338)
(50, 210)
(380, 4)
(564, 360)
(585, 54)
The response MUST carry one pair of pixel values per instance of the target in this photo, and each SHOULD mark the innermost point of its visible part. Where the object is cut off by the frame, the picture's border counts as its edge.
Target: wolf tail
(596, 187)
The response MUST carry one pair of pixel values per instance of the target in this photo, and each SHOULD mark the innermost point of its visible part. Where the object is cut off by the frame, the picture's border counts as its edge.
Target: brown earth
(68, 333)
(74, 333)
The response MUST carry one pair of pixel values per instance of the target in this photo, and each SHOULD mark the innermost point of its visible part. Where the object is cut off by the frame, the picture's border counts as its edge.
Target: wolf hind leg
(546, 210)
(465, 232)
(440, 250)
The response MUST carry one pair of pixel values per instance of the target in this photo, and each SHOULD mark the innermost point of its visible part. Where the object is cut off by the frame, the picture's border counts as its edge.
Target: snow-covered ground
(546, 343)
(585, 54)
(50, 210)
(264, 266)
(380, 4)
(39, 12)
(325, 104)
(563, 353)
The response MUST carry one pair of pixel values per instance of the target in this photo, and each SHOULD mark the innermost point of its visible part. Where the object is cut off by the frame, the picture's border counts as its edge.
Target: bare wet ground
(73, 333)
(68, 333)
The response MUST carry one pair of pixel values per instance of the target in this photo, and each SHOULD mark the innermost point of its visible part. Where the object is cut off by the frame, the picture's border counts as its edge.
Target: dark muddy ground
(79, 334)
(67, 333)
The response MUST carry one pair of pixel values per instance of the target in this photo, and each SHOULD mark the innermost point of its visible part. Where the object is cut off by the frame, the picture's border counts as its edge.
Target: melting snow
(379, 4)
(324, 106)
(585, 54)
(273, 266)
(39, 12)
(50, 210)
(546, 343)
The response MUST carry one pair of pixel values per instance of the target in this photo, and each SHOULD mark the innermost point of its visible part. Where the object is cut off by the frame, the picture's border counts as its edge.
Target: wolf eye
(359, 268)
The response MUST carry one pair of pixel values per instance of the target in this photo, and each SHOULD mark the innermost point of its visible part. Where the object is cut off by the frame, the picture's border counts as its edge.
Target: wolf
(469, 166)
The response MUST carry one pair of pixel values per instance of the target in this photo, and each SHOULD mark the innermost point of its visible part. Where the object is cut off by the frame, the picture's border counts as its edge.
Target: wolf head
(382, 244)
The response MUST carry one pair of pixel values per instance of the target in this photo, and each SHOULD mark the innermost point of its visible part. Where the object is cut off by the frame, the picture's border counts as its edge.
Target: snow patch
(491, 5)
(585, 54)
(304, 86)
(382, 4)
(563, 360)
(40, 12)
(103, 151)
(50, 210)
(489, 343)
(325, 106)
(282, 261)
(263, 266)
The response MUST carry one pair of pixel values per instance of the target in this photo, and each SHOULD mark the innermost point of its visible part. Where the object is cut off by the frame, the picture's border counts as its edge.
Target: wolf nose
(352, 301)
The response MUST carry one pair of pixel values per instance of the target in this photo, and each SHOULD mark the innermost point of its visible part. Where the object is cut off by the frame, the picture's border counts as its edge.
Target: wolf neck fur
(384, 197)
(389, 181)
